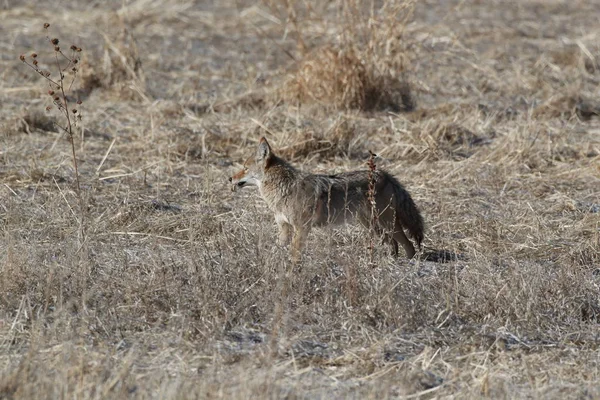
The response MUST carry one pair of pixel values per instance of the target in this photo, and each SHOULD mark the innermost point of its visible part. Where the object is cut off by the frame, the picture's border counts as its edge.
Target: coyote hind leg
(400, 237)
(393, 242)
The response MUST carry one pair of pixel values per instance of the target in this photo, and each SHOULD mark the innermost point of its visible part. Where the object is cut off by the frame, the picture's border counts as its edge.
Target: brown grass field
(165, 284)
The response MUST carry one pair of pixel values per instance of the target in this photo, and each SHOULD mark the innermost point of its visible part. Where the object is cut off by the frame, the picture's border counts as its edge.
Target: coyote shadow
(441, 256)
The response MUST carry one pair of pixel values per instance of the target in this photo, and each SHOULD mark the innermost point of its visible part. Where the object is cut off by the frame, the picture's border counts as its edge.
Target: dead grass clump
(335, 141)
(563, 107)
(456, 140)
(590, 310)
(569, 56)
(342, 80)
(567, 153)
(162, 219)
(331, 77)
(574, 56)
(568, 107)
(14, 277)
(457, 135)
(120, 69)
(39, 175)
(138, 216)
(35, 121)
(586, 250)
(197, 145)
(362, 64)
(253, 100)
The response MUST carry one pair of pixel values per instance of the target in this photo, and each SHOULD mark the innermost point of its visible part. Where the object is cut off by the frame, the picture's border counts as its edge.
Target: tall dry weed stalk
(372, 204)
(60, 84)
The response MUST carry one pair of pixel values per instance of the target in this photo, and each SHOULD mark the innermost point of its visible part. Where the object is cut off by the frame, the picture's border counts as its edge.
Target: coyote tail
(407, 212)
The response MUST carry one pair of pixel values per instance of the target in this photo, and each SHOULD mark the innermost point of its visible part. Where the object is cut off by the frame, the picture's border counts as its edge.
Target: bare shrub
(66, 64)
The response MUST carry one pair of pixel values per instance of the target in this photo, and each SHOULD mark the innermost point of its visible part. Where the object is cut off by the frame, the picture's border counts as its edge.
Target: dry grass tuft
(567, 107)
(329, 143)
(458, 141)
(342, 79)
(328, 77)
(364, 64)
(34, 120)
(120, 68)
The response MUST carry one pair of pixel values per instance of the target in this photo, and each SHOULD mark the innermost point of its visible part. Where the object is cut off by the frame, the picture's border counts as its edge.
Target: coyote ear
(264, 150)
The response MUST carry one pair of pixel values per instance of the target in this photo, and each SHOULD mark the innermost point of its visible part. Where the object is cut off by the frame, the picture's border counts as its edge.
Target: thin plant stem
(72, 142)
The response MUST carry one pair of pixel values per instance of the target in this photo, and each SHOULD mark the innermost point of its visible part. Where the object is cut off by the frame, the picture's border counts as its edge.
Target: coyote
(302, 200)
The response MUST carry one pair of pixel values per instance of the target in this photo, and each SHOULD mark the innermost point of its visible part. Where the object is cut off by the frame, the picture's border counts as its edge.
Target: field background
(487, 111)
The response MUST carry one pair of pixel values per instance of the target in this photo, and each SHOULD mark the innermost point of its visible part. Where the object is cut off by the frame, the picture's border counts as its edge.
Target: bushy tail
(407, 212)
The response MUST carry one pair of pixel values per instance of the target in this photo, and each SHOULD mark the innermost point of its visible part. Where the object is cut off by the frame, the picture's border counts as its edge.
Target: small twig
(150, 235)
(106, 155)
(12, 191)
(64, 198)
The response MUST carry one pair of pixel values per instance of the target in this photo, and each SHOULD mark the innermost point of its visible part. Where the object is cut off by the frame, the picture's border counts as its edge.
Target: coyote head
(254, 168)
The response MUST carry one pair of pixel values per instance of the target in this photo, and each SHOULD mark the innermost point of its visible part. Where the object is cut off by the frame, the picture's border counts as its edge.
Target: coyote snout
(302, 200)
(236, 185)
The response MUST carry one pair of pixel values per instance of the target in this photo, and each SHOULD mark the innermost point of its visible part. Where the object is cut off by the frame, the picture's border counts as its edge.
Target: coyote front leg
(285, 230)
(298, 241)
(285, 233)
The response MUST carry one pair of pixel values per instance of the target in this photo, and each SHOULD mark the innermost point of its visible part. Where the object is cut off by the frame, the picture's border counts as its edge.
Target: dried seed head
(46, 25)
(56, 98)
(79, 102)
(74, 111)
(73, 47)
(51, 92)
(75, 61)
(33, 55)
(35, 62)
(74, 69)
(56, 48)
(48, 108)
(22, 57)
(79, 50)
(54, 41)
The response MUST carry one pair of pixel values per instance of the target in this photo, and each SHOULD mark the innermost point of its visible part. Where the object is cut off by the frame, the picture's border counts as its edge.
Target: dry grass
(362, 64)
(180, 292)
